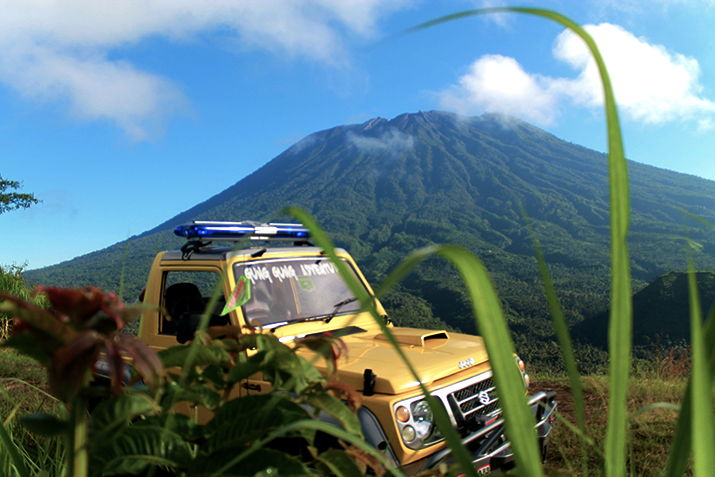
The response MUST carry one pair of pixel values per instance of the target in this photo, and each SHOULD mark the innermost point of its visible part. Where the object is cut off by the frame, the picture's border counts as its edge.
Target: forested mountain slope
(386, 187)
(661, 312)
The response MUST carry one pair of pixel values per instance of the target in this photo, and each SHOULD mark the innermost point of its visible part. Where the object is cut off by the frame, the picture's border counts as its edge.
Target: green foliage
(620, 322)
(66, 339)
(11, 200)
(135, 430)
(22, 396)
(13, 282)
(661, 317)
(274, 429)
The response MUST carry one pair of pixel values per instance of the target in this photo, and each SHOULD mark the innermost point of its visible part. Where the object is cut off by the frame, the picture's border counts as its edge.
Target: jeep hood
(434, 354)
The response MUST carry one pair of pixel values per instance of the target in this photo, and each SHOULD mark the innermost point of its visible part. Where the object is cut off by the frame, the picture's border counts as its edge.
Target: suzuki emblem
(484, 397)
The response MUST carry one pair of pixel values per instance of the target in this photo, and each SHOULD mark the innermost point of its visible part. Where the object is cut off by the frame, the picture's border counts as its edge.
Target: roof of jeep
(224, 253)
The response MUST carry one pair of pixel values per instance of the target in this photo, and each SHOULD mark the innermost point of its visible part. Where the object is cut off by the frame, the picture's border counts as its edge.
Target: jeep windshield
(286, 291)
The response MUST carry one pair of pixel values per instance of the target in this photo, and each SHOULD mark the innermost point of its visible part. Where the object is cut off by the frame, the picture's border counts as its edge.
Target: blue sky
(120, 114)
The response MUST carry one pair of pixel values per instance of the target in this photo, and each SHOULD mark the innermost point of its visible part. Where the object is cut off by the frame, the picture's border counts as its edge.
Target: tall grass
(21, 392)
(651, 422)
(12, 281)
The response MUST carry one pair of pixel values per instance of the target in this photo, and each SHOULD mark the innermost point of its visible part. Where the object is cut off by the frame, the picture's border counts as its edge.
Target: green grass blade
(519, 418)
(562, 333)
(703, 418)
(492, 326)
(564, 338)
(460, 454)
(682, 438)
(621, 315)
(656, 405)
(9, 446)
(578, 432)
(519, 421)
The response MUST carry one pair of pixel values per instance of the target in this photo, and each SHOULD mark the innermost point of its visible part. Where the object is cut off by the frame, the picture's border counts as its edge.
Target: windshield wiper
(280, 324)
(338, 306)
(326, 318)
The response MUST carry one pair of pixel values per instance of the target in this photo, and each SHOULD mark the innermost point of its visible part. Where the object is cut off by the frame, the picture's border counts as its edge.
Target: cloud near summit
(64, 52)
(392, 140)
(651, 84)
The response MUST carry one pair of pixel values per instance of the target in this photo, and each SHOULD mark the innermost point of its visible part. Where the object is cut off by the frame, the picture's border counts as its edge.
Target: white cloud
(706, 124)
(55, 50)
(498, 83)
(392, 140)
(651, 84)
(95, 89)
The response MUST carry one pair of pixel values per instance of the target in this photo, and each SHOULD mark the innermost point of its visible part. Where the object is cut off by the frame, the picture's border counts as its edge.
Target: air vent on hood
(415, 337)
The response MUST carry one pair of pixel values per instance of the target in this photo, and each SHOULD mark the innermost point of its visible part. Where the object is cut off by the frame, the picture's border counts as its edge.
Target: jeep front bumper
(489, 448)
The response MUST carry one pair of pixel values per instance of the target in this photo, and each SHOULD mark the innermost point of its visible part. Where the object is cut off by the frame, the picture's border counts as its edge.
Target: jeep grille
(476, 401)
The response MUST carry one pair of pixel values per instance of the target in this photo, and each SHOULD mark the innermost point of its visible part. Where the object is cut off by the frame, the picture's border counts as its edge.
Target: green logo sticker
(305, 283)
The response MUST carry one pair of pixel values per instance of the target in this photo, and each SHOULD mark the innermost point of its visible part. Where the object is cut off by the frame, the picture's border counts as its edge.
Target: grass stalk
(683, 436)
(321, 239)
(621, 313)
(77, 443)
(13, 452)
(564, 338)
(703, 418)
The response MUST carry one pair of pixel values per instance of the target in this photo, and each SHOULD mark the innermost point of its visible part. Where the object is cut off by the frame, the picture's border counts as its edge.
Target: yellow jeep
(296, 292)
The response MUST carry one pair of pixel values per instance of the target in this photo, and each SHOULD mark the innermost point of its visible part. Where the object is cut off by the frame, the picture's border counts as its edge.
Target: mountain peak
(375, 122)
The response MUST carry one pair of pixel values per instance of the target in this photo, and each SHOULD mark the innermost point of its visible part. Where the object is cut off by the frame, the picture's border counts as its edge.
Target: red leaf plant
(69, 337)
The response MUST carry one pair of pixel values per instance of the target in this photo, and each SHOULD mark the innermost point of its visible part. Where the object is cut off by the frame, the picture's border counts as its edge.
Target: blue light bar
(235, 231)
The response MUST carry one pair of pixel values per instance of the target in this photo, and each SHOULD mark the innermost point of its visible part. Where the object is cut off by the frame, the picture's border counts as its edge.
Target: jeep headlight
(422, 417)
(416, 423)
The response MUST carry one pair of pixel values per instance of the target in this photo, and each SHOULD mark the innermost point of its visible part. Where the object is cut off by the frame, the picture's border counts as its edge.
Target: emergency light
(236, 231)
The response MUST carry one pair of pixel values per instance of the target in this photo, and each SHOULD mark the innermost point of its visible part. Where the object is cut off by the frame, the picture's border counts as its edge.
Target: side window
(185, 297)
